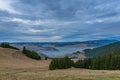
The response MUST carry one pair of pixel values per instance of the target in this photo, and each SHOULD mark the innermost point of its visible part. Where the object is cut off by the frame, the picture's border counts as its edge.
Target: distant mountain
(102, 50)
(77, 55)
(34, 47)
(56, 49)
(63, 44)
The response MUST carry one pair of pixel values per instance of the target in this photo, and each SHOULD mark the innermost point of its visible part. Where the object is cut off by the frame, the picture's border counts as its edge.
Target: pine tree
(104, 62)
(60, 63)
(52, 65)
(118, 63)
(24, 50)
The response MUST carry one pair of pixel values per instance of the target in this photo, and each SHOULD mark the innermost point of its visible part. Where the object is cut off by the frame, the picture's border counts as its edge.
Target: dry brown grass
(15, 66)
(15, 59)
(68, 74)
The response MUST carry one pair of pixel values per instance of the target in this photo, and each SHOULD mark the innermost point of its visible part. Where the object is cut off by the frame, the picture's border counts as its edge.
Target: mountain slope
(58, 49)
(16, 59)
(102, 50)
(66, 44)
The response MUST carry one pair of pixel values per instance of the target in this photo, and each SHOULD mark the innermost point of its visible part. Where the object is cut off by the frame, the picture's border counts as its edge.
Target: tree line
(7, 45)
(61, 63)
(109, 61)
(31, 54)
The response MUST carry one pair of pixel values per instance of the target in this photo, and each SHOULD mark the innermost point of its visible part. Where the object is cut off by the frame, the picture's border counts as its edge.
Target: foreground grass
(68, 74)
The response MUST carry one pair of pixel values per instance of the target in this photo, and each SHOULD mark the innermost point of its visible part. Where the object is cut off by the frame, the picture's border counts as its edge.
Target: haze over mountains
(58, 49)
(15, 58)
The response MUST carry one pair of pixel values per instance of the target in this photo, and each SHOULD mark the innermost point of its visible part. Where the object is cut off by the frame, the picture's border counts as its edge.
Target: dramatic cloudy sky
(59, 20)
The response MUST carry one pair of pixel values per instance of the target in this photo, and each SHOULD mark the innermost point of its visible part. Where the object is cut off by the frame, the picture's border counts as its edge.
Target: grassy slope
(15, 59)
(15, 66)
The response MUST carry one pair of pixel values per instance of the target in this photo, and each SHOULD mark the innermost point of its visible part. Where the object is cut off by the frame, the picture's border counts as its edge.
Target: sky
(59, 20)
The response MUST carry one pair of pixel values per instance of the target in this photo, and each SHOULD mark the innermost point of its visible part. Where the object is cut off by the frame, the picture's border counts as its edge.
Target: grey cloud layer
(59, 20)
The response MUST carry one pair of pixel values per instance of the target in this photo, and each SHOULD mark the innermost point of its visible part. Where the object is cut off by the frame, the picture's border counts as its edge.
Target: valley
(14, 65)
(60, 49)
(59, 39)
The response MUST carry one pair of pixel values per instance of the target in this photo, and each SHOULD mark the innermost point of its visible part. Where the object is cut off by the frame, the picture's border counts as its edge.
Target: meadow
(43, 73)
(15, 66)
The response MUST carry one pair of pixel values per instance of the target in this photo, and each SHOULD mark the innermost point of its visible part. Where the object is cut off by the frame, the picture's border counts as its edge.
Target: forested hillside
(109, 61)
(102, 50)
(102, 58)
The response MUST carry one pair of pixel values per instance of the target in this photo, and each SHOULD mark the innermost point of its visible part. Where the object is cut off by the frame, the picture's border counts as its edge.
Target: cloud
(40, 39)
(44, 20)
(36, 31)
(6, 5)
(104, 20)
(33, 31)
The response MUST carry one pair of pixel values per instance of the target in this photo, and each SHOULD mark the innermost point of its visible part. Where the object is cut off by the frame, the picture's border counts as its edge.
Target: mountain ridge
(56, 49)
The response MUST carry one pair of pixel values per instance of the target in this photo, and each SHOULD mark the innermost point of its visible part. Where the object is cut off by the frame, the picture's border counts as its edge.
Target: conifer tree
(24, 50)
(60, 63)
(109, 61)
